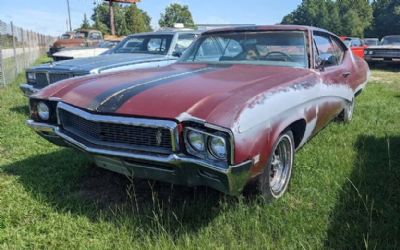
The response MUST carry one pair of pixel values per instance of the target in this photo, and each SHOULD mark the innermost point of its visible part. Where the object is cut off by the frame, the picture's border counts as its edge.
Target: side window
(95, 36)
(339, 51)
(156, 45)
(325, 50)
(183, 42)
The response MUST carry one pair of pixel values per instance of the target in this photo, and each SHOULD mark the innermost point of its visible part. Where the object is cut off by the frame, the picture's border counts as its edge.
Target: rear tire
(274, 180)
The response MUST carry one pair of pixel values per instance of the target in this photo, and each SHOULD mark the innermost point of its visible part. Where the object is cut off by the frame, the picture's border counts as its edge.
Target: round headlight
(217, 147)
(43, 111)
(196, 140)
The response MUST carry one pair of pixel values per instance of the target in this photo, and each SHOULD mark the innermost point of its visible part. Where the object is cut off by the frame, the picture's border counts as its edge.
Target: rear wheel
(274, 180)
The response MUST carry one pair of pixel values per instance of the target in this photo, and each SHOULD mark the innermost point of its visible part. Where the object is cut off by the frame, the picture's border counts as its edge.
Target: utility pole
(69, 16)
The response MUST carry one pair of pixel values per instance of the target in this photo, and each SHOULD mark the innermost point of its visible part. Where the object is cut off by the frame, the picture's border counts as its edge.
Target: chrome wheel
(281, 166)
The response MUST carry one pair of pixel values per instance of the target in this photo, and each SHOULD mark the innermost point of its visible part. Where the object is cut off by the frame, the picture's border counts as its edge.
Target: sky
(50, 16)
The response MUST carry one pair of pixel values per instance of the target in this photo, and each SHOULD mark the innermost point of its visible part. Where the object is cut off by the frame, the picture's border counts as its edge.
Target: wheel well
(298, 128)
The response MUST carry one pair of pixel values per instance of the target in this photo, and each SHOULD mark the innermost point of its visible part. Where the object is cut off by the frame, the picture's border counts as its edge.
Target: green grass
(344, 194)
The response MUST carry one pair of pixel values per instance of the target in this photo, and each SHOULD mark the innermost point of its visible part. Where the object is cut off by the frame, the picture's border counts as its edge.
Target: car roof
(278, 27)
(166, 32)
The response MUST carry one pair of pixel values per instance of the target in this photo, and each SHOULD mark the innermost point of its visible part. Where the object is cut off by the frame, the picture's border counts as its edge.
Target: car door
(333, 74)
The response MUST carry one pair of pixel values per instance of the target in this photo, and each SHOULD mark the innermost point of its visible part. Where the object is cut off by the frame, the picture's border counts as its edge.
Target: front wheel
(274, 180)
(347, 114)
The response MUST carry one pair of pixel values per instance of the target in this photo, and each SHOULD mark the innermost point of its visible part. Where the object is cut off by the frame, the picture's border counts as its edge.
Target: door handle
(346, 74)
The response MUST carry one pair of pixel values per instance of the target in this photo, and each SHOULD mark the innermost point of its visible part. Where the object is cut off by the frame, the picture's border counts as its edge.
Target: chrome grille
(55, 77)
(386, 53)
(115, 135)
(41, 79)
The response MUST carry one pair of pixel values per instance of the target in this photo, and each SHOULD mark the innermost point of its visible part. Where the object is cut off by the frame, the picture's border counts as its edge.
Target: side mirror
(177, 53)
(326, 60)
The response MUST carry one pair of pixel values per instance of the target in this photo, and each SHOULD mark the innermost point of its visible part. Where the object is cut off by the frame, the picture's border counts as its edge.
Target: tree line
(130, 19)
(361, 18)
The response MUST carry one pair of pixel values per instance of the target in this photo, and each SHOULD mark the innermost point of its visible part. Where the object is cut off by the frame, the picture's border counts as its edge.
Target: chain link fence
(19, 48)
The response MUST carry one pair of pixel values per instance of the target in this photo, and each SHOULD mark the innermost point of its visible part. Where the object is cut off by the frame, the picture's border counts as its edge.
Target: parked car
(232, 111)
(80, 38)
(75, 53)
(145, 50)
(387, 52)
(371, 41)
(355, 44)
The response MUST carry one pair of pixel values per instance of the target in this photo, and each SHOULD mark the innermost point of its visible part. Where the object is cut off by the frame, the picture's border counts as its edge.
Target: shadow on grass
(367, 214)
(22, 109)
(69, 182)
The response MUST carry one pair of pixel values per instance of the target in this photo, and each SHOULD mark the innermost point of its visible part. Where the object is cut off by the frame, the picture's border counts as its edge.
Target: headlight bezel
(33, 110)
(207, 154)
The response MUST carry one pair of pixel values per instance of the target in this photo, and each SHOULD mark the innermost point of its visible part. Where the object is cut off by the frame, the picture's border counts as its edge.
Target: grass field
(344, 194)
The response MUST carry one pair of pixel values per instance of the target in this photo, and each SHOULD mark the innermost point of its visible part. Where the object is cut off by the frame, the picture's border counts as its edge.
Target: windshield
(65, 36)
(391, 40)
(81, 34)
(371, 42)
(275, 48)
(148, 44)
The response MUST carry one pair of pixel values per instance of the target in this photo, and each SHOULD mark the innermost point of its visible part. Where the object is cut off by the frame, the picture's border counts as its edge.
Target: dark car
(232, 111)
(387, 52)
(145, 50)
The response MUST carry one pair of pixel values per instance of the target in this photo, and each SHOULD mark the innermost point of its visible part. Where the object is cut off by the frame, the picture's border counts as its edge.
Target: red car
(231, 112)
(355, 44)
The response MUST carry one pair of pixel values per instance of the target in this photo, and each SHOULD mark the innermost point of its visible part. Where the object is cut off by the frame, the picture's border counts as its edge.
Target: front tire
(274, 180)
(347, 114)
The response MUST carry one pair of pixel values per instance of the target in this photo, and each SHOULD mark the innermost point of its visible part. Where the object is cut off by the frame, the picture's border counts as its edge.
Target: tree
(176, 13)
(386, 15)
(347, 17)
(128, 19)
(85, 23)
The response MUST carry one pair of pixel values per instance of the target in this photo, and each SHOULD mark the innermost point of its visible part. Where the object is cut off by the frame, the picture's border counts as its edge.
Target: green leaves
(176, 13)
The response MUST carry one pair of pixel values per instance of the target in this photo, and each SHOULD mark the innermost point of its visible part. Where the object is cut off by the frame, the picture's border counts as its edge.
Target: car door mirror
(326, 60)
(177, 53)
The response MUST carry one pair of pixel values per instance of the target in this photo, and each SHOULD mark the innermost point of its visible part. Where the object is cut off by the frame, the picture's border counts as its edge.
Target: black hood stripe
(114, 101)
(106, 94)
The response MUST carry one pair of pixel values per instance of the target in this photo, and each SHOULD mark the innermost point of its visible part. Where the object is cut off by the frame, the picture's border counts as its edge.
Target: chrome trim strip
(133, 121)
(28, 89)
(41, 127)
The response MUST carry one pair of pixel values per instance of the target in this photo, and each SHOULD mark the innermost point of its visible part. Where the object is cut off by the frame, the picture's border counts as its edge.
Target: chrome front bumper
(28, 89)
(174, 168)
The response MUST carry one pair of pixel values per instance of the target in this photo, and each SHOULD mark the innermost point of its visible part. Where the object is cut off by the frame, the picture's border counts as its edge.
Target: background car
(371, 41)
(387, 52)
(355, 44)
(231, 112)
(78, 39)
(145, 50)
(73, 53)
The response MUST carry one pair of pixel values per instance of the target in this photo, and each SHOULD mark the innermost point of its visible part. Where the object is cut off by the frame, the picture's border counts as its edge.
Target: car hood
(100, 62)
(216, 94)
(384, 47)
(80, 53)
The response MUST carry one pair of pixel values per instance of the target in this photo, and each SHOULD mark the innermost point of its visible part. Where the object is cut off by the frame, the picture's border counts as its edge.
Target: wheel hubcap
(281, 165)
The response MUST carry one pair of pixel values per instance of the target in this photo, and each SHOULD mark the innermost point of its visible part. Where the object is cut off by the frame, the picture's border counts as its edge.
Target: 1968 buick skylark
(231, 112)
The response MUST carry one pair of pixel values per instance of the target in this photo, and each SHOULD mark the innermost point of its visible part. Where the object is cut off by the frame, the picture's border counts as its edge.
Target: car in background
(73, 53)
(78, 39)
(143, 50)
(232, 111)
(355, 44)
(387, 52)
(371, 41)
